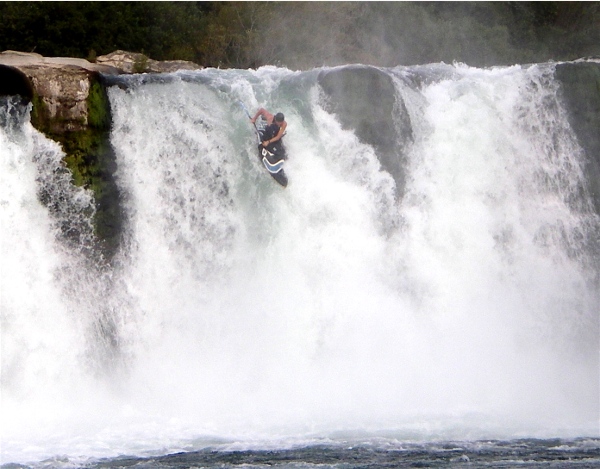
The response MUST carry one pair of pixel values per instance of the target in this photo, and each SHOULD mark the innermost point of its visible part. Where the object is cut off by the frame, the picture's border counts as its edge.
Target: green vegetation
(91, 161)
(82, 147)
(307, 34)
(39, 113)
(141, 64)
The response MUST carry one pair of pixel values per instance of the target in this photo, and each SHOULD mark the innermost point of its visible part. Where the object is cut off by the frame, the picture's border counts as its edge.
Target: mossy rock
(90, 158)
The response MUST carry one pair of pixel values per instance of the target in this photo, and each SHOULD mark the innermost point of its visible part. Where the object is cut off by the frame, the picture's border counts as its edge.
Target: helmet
(279, 117)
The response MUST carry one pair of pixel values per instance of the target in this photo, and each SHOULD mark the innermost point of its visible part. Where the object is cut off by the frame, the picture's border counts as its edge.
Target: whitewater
(457, 300)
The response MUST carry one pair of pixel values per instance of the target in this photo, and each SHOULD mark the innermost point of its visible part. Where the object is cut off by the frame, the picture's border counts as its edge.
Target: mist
(304, 35)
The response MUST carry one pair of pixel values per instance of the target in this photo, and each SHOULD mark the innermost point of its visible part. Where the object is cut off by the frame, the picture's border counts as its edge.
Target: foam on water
(242, 312)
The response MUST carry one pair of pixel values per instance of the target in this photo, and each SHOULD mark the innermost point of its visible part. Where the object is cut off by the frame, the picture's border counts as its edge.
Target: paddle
(253, 123)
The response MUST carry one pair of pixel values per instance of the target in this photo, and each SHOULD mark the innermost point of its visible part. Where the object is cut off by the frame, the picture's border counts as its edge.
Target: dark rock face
(13, 83)
(581, 91)
(363, 99)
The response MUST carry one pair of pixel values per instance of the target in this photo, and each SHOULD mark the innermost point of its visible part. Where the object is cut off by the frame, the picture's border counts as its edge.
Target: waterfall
(454, 295)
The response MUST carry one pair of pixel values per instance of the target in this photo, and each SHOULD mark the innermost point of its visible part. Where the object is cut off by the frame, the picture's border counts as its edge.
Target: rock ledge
(70, 105)
(131, 62)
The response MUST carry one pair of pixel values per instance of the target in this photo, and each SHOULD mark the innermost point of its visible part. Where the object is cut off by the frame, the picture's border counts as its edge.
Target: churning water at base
(238, 315)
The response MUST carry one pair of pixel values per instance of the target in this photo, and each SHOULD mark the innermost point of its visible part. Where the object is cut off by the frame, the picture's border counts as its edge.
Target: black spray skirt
(273, 156)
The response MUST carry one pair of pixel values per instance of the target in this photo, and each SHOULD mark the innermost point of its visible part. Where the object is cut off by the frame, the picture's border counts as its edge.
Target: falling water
(459, 303)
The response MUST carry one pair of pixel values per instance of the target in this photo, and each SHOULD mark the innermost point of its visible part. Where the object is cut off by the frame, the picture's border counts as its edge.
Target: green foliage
(39, 113)
(89, 158)
(73, 29)
(81, 148)
(98, 107)
(301, 35)
(141, 64)
(307, 34)
(232, 34)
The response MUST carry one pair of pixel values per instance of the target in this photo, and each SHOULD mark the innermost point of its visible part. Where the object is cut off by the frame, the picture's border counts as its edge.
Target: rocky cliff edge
(70, 106)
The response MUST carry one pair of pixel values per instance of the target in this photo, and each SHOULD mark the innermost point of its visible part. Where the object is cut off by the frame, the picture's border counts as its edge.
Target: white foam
(247, 312)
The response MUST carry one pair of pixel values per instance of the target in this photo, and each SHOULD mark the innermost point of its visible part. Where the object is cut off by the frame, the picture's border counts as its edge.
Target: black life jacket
(270, 131)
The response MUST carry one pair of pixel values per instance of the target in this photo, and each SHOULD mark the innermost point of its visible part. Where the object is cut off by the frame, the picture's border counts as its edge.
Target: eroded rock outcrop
(70, 106)
(58, 87)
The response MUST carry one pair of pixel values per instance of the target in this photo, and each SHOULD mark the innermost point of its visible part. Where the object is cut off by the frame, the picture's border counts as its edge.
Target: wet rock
(580, 82)
(58, 88)
(360, 96)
